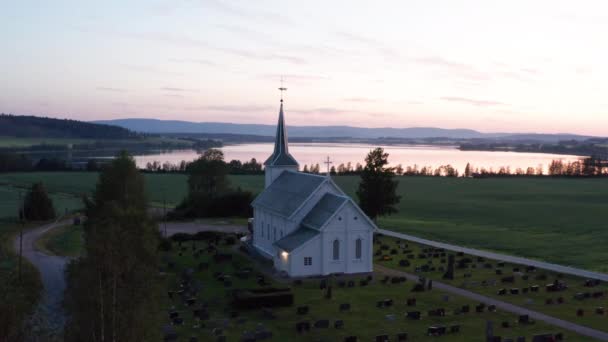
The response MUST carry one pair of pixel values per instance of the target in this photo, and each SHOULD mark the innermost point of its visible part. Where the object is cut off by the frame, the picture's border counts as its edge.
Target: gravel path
(51, 268)
(501, 257)
(518, 310)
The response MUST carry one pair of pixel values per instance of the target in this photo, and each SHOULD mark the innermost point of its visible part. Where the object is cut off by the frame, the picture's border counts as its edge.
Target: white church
(305, 223)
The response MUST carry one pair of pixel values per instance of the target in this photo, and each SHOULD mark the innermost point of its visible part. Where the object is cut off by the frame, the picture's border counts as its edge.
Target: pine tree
(377, 190)
(37, 205)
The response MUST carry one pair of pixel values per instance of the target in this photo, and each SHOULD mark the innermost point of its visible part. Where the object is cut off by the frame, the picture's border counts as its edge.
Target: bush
(266, 297)
(234, 203)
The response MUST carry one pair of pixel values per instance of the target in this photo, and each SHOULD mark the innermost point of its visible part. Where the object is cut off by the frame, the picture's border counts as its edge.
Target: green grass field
(364, 320)
(14, 142)
(64, 241)
(558, 220)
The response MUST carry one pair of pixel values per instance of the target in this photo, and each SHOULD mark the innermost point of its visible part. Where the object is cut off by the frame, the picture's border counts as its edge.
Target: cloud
(175, 89)
(474, 102)
(455, 68)
(149, 69)
(377, 45)
(111, 89)
(231, 108)
(289, 78)
(360, 99)
(193, 61)
(266, 17)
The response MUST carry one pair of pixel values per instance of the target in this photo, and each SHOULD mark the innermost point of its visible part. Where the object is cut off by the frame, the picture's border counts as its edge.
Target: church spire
(280, 155)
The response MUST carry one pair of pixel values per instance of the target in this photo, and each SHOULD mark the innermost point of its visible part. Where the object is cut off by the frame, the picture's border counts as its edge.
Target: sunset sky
(494, 66)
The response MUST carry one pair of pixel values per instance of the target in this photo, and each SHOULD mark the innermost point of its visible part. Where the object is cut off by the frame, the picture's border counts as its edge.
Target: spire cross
(282, 89)
(328, 162)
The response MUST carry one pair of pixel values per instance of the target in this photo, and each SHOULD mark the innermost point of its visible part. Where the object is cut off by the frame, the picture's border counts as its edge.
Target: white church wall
(346, 227)
(311, 249)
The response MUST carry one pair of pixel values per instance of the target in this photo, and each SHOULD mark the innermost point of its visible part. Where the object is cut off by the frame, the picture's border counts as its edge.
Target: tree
(37, 205)
(208, 174)
(467, 171)
(377, 190)
(112, 291)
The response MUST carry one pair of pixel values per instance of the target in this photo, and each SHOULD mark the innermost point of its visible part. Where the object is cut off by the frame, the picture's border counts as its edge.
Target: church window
(274, 234)
(339, 218)
(307, 261)
(281, 233)
(356, 217)
(336, 250)
(358, 248)
(268, 231)
(262, 229)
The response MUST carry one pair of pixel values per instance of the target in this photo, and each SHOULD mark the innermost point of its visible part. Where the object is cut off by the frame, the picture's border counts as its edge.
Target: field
(63, 241)
(557, 220)
(364, 319)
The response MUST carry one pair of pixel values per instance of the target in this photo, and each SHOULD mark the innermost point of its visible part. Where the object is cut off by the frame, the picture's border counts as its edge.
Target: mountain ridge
(146, 125)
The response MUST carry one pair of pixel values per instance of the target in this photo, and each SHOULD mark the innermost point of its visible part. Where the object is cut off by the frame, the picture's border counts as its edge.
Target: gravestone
(449, 274)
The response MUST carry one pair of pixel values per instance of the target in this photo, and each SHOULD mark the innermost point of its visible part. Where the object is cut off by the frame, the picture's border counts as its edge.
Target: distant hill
(173, 126)
(36, 127)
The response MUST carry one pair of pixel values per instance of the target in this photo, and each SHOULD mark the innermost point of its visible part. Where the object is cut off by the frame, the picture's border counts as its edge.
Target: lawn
(481, 277)
(63, 241)
(364, 320)
(553, 219)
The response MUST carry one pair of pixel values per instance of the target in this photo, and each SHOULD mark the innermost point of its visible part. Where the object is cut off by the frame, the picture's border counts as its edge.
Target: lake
(406, 155)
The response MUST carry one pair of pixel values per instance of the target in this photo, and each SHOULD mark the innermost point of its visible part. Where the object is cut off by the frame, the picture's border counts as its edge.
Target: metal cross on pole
(282, 89)
(328, 162)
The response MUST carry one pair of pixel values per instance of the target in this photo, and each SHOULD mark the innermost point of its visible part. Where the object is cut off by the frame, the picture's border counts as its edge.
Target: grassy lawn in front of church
(364, 320)
(554, 219)
(481, 276)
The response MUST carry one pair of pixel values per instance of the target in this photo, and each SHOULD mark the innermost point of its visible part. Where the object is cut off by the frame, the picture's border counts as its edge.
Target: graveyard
(574, 299)
(217, 291)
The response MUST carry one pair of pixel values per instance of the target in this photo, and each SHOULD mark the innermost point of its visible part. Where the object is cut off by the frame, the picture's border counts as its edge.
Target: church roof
(288, 192)
(323, 210)
(280, 156)
(296, 239)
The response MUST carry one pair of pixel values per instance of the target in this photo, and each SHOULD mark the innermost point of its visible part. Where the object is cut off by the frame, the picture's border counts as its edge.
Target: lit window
(336, 250)
(307, 261)
(358, 247)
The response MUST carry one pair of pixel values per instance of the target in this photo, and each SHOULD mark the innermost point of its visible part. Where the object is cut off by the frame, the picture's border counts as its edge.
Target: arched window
(336, 250)
(262, 229)
(358, 248)
(274, 234)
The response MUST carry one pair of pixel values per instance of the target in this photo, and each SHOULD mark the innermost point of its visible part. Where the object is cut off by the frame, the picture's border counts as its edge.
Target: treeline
(34, 127)
(234, 167)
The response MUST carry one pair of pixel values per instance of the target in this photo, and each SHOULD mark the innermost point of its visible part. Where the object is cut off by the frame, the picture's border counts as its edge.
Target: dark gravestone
(414, 315)
(351, 339)
(449, 274)
(339, 324)
(411, 302)
(322, 324)
(382, 338)
(455, 328)
(344, 307)
(465, 308)
(302, 310)
(401, 337)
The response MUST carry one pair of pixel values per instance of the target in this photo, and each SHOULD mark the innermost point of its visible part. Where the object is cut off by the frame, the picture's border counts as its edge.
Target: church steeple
(280, 160)
(280, 155)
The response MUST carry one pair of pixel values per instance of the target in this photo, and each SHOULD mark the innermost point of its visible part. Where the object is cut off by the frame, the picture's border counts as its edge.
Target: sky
(493, 66)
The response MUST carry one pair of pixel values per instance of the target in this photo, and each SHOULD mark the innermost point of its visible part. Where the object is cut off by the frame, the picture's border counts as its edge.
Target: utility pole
(21, 223)
(165, 213)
